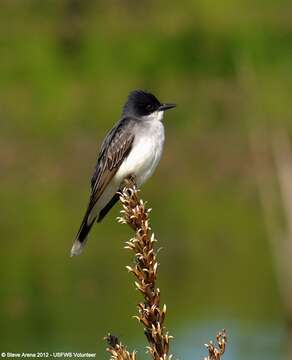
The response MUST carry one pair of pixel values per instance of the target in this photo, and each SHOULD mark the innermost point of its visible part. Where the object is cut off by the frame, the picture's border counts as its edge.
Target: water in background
(252, 342)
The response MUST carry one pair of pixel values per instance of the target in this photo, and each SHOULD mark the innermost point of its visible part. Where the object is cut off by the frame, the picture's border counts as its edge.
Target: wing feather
(114, 149)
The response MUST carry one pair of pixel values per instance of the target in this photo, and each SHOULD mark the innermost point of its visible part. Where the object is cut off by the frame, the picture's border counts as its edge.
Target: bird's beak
(164, 107)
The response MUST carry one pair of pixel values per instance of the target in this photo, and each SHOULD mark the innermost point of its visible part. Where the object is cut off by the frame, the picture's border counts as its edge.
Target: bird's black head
(142, 103)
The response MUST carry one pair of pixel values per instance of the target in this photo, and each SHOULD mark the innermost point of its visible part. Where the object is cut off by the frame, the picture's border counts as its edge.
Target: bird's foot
(130, 181)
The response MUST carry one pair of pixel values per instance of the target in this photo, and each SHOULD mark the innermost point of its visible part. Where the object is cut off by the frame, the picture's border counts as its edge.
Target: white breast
(145, 154)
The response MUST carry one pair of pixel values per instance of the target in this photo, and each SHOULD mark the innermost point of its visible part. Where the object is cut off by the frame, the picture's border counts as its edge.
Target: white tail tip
(76, 248)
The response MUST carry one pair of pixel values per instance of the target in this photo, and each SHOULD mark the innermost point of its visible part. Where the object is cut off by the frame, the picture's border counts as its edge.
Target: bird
(132, 148)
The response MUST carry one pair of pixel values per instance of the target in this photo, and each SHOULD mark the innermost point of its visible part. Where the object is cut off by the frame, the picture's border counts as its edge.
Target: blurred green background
(66, 68)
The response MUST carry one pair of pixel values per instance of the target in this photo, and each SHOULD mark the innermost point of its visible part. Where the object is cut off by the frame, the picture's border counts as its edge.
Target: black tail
(80, 240)
(87, 223)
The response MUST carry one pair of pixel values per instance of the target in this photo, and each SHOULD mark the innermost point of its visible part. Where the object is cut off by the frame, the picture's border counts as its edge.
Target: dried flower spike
(136, 215)
(216, 353)
(117, 350)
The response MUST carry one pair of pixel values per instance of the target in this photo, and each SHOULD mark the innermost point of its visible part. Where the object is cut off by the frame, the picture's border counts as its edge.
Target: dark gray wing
(114, 149)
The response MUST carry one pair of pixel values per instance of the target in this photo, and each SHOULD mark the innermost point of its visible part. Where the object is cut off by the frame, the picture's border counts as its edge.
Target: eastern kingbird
(133, 147)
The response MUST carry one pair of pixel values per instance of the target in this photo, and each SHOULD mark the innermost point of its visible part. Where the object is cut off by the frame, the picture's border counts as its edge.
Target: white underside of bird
(141, 162)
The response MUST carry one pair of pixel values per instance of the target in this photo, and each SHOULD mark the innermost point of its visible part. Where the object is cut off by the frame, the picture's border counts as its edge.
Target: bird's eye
(149, 107)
